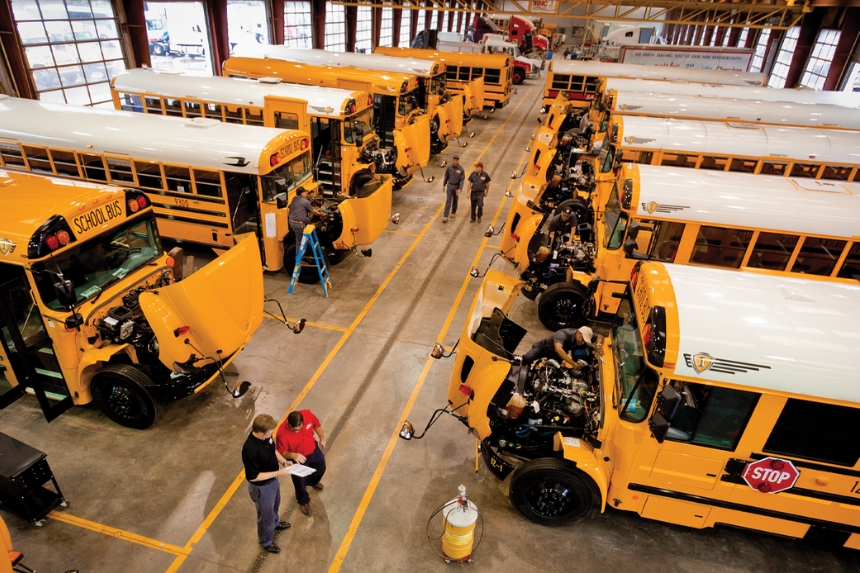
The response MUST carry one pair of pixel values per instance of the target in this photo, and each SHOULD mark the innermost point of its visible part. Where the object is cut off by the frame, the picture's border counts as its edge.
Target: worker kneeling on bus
(574, 346)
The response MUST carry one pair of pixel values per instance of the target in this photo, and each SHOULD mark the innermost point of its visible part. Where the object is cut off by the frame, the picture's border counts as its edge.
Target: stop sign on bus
(771, 475)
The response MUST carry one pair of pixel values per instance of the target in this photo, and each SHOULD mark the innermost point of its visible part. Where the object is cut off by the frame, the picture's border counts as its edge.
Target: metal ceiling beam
(779, 16)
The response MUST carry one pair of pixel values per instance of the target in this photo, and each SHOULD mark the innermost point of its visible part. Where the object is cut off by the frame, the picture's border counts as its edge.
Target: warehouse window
(72, 48)
(434, 20)
(247, 22)
(335, 35)
(819, 62)
(760, 51)
(783, 58)
(742, 39)
(362, 30)
(178, 37)
(405, 19)
(298, 32)
(385, 30)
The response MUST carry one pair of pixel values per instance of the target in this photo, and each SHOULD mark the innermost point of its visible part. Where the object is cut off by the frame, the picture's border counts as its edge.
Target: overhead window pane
(298, 31)
(818, 64)
(362, 29)
(783, 58)
(178, 38)
(405, 19)
(386, 29)
(760, 50)
(335, 33)
(247, 22)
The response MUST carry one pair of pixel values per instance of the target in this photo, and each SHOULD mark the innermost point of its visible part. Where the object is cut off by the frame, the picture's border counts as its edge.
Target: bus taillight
(634, 277)
(52, 235)
(350, 106)
(305, 143)
(274, 159)
(52, 242)
(403, 87)
(627, 193)
(654, 336)
(136, 201)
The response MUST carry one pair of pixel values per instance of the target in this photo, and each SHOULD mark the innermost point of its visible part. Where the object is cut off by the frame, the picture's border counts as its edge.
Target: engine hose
(431, 539)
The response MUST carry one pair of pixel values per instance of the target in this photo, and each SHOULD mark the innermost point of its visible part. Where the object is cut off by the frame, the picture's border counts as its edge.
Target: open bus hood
(222, 303)
(474, 94)
(522, 224)
(413, 145)
(368, 215)
(454, 120)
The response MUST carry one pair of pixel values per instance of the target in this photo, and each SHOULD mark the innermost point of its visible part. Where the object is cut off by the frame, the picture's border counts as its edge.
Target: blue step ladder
(309, 237)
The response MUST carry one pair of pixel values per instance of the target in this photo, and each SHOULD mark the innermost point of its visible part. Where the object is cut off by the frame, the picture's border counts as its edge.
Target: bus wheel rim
(551, 499)
(122, 402)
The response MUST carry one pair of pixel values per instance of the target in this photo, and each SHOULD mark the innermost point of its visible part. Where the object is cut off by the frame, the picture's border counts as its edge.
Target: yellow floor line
(210, 518)
(116, 533)
(401, 233)
(395, 436)
(308, 323)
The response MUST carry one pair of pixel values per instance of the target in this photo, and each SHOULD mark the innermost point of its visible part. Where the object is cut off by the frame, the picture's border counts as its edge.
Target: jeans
(537, 352)
(267, 499)
(316, 461)
(451, 200)
(477, 204)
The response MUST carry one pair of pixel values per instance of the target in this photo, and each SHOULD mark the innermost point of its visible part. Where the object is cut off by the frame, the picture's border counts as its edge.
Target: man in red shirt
(295, 441)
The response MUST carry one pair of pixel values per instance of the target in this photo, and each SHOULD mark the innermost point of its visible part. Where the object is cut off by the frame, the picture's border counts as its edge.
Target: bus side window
(818, 256)
(576, 83)
(667, 237)
(131, 102)
(192, 109)
(464, 73)
(38, 159)
(814, 431)
(772, 251)
(208, 183)
(94, 167)
(254, 117)
(491, 76)
(805, 170)
(64, 163)
(711, 416)
(714, 163)
(720, 246)
(646, 157)
(678, 160)
(772, 168)
(561, 81)
(120, 170)
(213, 110)
(149, 175)
(233, 114)
(178, 179)
(739, 165)
(591, 85)
(451, 74)
(153, 105)
(284, 120)
(837, 172)
(11, 154)
(851, 268)
(172, 107)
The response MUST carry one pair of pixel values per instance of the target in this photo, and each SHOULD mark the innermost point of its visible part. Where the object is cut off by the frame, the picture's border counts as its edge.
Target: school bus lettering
(98, 216)
(771, 475)
(180, 202)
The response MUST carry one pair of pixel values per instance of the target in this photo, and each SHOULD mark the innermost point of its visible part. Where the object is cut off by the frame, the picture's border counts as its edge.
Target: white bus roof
(609, 70)
(203, 143)
(766, 202)
(782, 334)
(782, 113)
(681, 87)
(322, 101)
(326, 58)
(741, 139)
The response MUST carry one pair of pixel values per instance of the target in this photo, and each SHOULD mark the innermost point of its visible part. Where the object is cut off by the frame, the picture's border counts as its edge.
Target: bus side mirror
(65, 292)
(667, 402)
(630, 250)
(358, 130)
(633, 230)
(281, 201)
(659, 427)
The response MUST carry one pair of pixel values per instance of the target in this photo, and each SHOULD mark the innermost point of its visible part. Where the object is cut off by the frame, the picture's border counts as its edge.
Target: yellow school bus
(495, 69)
(208, 180)
(683, 216)
(444, 110)
(340, 122)
(93, 310)
(718, 398)
(404, 131)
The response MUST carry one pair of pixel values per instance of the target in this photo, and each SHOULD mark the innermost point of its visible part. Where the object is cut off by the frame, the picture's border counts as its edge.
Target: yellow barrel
(459, 529)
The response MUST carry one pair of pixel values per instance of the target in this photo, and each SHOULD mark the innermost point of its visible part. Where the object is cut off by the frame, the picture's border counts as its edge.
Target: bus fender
(94, 359)
(581, 453)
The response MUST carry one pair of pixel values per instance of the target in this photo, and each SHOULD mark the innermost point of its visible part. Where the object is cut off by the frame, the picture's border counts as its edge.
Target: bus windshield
(406, 103)
(635, 382)
(98, 262)
(607, 155)
(437, 85)
(291, 174)
(614, 220)
(362, 118)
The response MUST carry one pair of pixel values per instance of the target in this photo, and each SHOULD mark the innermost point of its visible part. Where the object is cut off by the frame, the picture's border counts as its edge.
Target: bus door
(327, 161)
(385, 117)
(26, 349)
(286, 113)
(244, 203)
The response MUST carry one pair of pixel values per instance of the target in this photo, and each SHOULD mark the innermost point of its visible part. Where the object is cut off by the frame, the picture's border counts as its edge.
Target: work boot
(306, 509)
(479, 219)
(282, 526)
(444, 219)
(318, 486)
(272, 548)
(453, 215)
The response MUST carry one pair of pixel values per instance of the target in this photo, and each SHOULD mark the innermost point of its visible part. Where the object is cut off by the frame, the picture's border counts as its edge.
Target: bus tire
(308, 275)
(519, 76)
(562, 306)
(336, 256)
(157, 50)
(120, 390)
(550, 491)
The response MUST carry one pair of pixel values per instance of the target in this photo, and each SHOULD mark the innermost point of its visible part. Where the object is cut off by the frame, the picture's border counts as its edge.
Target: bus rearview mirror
(659, 427)
(65, 292)
(667, 402)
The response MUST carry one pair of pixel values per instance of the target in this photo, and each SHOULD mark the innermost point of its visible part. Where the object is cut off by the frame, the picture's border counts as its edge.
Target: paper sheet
(300, 470)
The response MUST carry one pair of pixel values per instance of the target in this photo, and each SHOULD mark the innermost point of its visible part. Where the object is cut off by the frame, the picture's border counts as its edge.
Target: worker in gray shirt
(453, 184)
(300, 214)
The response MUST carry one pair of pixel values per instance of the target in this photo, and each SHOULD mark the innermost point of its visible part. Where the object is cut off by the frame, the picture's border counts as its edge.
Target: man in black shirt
(562, 224)
(262, 470)
(569, 345)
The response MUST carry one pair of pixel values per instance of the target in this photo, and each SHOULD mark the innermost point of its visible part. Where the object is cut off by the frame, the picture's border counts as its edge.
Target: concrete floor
(173, 498)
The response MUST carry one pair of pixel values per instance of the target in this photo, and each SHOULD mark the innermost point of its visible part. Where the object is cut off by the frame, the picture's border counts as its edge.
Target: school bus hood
(475, 91)
(483, 337)
(522, 224)
(454, 120)
(364, 218)
(222, 303)
(413, 145)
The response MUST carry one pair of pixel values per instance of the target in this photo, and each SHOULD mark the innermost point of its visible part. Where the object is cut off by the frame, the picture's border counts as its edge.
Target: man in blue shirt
(300, 214)
(453, 184)
(479, 187)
